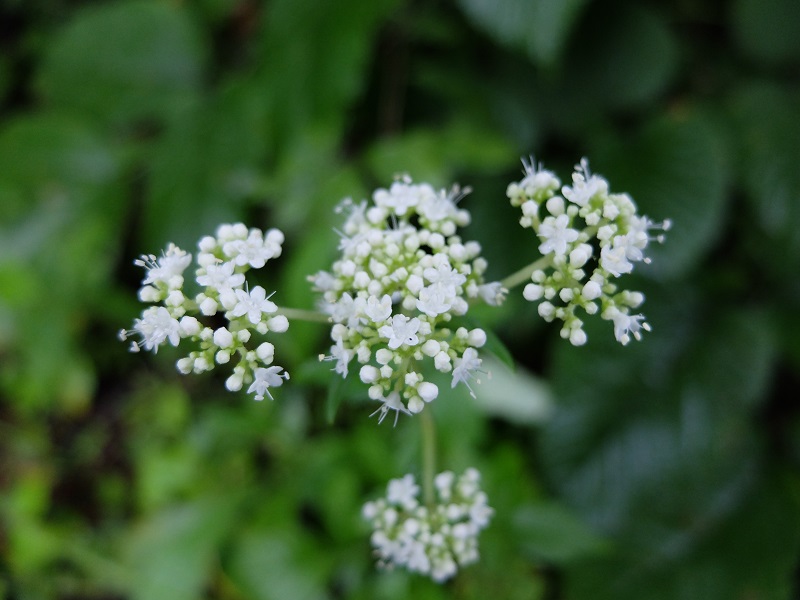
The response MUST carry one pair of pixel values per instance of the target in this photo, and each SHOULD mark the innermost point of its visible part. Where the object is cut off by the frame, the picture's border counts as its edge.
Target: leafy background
(666, 469)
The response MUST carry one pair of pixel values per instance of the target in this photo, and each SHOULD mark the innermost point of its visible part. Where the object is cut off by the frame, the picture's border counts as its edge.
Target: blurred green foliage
(666, 469)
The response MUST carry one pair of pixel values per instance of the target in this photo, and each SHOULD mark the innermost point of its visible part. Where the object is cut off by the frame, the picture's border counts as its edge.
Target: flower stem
(428, 455)
(524, 274)
(299, 314)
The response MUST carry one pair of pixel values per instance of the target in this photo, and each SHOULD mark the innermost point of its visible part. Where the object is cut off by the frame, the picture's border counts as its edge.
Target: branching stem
(299, 314)
(428, 456)
(524, 274)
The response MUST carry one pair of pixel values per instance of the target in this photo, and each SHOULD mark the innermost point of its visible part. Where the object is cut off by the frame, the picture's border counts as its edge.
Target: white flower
(436, 299)
(443, 273)
(400, 197)
(253, 250)
(464, 367)
(221, 277)
(342, 356)
(253, 304)
(494, 294)
(155, 327)
(585, 186)
(265, 378)
(401, 331)
(556, 233)
(378, 309)
(614, 259)
(391, 402)
(403, 492)
(626, 325)
(168, 269)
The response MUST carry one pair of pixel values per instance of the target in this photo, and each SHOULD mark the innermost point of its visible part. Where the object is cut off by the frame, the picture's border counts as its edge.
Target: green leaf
(540, 27)
(269, 565)
(49, 159)
(312, 62)
(496, 346)
(654, 445)
(769, 150)
(548, 531)
(435, 155)
(171, 552)
(752, 554)
(767, 29)
(205, 165)
(674, 169)
(124, 61)
(334, 398)
(624, 56)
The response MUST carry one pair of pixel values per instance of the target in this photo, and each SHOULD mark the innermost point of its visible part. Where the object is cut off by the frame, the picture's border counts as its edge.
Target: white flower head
(222, 263)
(433, 540)
(589, 238)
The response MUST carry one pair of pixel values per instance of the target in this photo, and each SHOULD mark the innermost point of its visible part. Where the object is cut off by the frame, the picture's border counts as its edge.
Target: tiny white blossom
(557, 234)
(168, 269)
(401, 331)
(265, 378)
(378, 310)
(157, 326)
(254, 304)
(464, 367)
(221, 277)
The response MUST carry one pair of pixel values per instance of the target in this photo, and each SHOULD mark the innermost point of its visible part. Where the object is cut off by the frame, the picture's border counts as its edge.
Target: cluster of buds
(590, 237)
(393, 296)
(222, 263)
(430, 540)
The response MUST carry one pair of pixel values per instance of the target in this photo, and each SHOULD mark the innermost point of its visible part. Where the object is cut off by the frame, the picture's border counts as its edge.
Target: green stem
(524, 274)
(299, 314)
(428, 456)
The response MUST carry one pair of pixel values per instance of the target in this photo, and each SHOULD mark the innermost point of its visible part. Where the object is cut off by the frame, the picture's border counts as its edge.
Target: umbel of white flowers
(394, 296)
(248, 314)
(572, 227)
(430, 540)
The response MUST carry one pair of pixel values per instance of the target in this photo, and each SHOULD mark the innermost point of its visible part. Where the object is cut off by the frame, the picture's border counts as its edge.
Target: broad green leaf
(658, 450)
(124, 61)
(61, 212)
(752, 553)
(767, 29)
(435, 155)
(540, 27)
(203, 168)
(674, 169)
(49, 161)
(313, 58)
(548, 531)
(171, 553)
(624, 56)
(334, 398)
(768, 153)
(269, 565)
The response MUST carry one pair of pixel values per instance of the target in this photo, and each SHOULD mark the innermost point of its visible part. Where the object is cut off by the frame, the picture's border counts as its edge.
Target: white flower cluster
(430, 540)
(222, 263)
(591, 237)
(402, 277)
